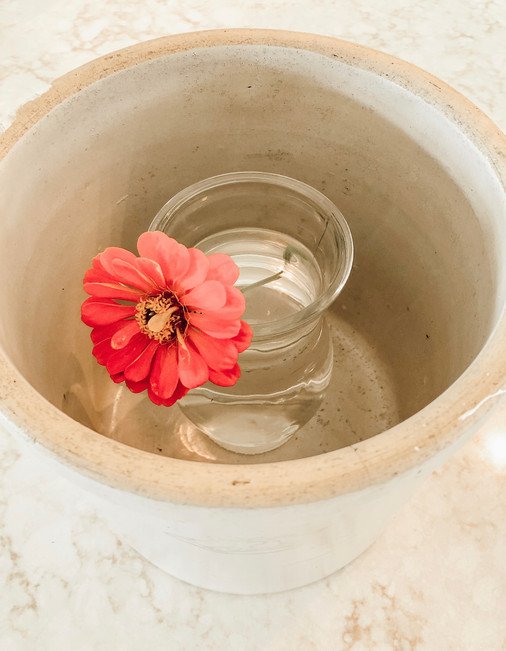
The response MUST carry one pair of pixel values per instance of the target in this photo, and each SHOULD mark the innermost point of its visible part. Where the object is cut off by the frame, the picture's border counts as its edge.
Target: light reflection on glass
(194, 441)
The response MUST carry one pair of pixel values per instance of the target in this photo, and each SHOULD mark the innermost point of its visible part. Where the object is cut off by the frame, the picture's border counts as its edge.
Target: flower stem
(264, 281)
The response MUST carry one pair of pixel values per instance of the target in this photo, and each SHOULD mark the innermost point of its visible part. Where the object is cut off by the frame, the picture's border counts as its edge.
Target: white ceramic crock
(416, 169)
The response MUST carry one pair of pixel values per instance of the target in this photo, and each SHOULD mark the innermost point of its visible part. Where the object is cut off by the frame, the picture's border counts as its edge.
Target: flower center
(161, 317)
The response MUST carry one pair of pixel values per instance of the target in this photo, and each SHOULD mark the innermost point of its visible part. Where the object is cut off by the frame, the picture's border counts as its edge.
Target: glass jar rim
(337, 220)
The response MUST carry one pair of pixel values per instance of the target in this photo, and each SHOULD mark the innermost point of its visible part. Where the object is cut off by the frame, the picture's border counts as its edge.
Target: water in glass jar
(283, 377)
(261, 255)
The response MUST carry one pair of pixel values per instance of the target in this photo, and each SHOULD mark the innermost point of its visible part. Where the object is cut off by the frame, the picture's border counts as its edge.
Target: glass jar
(294, 251)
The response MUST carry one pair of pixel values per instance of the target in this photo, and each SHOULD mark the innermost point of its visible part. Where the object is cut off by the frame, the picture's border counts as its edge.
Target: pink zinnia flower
(167, 321)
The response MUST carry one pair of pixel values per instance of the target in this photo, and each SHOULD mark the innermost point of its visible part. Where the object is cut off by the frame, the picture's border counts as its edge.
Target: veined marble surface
(435, 580)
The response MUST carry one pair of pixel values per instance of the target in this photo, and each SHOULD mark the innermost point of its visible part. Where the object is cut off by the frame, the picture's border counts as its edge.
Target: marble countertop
(435, 580)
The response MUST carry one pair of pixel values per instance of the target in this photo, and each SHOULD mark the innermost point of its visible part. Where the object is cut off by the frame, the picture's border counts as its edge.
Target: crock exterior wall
(255, 550)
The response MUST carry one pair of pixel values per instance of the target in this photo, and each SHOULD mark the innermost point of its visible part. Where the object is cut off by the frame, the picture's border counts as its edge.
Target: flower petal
(107, 258)
(104, 311)
(137, 387)
(214, 326)
(243, 338)
(211, 295)
(156, 400)
(105, 332)
(139, 369)
(149, 244)
(95, 275)
(192, 369)
(222, 268)
(128, 274)
(123, 336)
(102, 352)
(172, 257)
(234, 306)
(225, 378)
(179, 392)
(196, 272)
(97, 266)
(122, 358)
(152, 270)
(164, 372)
(217, 353)
(112, 290)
